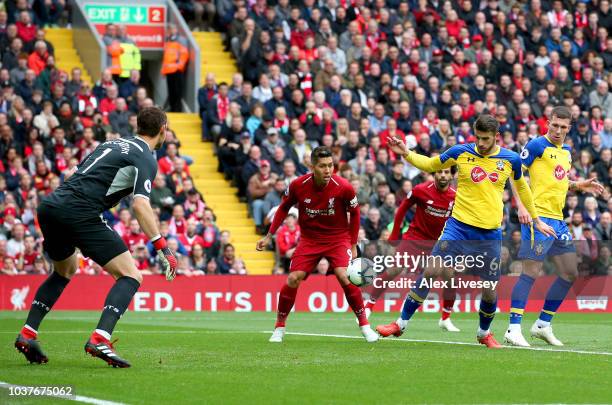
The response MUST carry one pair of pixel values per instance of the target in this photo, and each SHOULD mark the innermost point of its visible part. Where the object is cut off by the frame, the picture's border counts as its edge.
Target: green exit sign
(104, 13)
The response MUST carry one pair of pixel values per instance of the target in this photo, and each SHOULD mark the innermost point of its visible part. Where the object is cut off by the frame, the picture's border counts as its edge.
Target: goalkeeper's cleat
(103, 349)
(277, 335)
(447, 325)
(515, 338)
(31, 349)
(546, 334)
(391, 329)
(489, 341)
(369, 335)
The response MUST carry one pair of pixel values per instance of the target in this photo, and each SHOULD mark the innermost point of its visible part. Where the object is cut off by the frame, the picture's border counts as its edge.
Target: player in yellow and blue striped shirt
(548, 161)
(475, 222)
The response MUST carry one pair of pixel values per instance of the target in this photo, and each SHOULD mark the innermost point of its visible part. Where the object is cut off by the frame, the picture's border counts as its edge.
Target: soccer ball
(361, 271)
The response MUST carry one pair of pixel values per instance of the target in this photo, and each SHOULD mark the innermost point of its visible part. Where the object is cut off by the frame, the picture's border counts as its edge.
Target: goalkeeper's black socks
(116, 303)
(45, 298)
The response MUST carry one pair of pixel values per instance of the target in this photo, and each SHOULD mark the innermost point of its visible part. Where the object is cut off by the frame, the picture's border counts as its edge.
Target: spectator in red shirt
(26, 30)
(107, 105)
(460, 65)
(190, 237)
(25, 259)
(454, 24)
(177, 224)
(37, 61)
(301, 32)
(391, 131)
(287, 238)
(122, 227)
(166, 163)
(135, 237)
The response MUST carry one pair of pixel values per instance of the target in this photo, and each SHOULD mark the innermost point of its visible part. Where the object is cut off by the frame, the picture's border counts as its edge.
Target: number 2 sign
(157, 14)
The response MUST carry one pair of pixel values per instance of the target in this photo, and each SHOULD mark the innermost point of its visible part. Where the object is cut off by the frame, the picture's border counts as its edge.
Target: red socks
(286, 299)
(355, 300)
(28, 333)
(448, 302)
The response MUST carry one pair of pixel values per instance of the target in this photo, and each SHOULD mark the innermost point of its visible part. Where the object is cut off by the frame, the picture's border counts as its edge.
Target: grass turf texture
(184, 357)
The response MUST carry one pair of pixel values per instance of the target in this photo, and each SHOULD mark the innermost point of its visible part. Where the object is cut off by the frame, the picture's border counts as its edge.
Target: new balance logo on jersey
(306, 200)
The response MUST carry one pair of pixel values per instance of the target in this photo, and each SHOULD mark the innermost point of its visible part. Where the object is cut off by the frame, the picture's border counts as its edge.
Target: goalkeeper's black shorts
(63, 231)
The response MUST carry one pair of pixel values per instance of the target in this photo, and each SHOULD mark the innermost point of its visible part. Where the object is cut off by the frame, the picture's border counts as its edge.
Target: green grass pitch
(220, 358)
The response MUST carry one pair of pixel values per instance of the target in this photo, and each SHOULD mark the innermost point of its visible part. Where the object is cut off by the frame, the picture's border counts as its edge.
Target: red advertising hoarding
(259, 293)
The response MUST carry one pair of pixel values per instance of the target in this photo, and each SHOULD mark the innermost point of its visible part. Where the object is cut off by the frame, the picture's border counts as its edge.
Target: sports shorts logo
(478, 174)
(559, 172)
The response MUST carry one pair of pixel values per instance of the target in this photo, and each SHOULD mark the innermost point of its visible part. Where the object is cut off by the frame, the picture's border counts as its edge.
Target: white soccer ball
(361, 271)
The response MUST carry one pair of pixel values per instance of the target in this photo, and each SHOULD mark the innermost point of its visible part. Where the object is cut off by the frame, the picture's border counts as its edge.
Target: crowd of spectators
(349, 73)
(50, 121)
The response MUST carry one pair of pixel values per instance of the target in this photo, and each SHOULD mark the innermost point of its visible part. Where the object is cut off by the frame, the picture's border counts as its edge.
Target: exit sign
(146, 24)
(125, 14)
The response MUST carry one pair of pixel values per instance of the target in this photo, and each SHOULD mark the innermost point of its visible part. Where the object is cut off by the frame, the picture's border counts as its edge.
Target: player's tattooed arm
(586, 186)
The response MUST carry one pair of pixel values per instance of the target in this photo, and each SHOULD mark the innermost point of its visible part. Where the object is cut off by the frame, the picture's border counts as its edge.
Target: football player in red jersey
(434, 201)
(325, 203)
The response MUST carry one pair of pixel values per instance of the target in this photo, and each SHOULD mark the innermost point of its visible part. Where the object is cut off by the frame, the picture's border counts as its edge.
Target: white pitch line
(541, 349)
(77, 398)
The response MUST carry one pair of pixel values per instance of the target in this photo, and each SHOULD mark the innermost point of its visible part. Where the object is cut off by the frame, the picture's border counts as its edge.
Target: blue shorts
(482, 247)
(544, 245)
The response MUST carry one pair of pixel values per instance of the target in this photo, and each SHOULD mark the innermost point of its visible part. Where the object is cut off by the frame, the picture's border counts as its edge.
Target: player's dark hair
(486, 123)
(150, 121)
(562, 112)
(320, 152)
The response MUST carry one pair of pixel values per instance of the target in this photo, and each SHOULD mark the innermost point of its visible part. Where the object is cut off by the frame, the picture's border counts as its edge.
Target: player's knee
(132, 273)
(65, 272)
(570, 275)
(343, 278)
(489, 295)
(294, 280)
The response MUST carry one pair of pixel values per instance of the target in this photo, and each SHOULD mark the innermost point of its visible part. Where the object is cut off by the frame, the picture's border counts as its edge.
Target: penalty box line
(539, 349)
(77, 398)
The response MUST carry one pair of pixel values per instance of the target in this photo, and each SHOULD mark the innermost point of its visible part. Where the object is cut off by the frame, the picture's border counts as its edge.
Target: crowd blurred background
(341, 73)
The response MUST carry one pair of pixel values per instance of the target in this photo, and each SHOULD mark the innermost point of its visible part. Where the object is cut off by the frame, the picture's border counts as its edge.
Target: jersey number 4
(104, 153)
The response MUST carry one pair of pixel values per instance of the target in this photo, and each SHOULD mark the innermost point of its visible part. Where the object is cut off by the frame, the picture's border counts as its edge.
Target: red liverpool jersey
(323, 211)
(433, 207)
